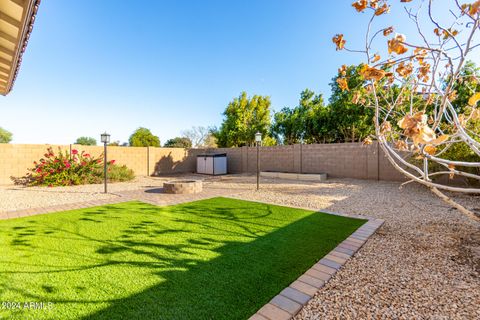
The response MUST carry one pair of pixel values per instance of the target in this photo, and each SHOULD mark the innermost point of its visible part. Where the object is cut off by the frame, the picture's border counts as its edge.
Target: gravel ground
(423, 263)
(18, 197)
(420, 265)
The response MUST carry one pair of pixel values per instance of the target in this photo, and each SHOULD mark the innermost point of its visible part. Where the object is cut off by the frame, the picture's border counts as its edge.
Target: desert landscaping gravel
(423, 263)
(19, 197)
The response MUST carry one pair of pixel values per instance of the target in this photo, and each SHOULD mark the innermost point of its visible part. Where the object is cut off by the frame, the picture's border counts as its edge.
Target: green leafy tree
(86, 141)
(353, 121)
(269, 141)
(244, 116)
(285, 127)
(314, 117)
(178, 142)
(299, 124)
(5, 136)
(320, 126)
(470, 84)
(143, 137)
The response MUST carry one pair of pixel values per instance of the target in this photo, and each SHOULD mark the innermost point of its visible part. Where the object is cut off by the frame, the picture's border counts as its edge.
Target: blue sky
(94, 66)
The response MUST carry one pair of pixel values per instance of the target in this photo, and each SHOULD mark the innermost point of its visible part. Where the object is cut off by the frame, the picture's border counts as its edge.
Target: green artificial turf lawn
(211, 259)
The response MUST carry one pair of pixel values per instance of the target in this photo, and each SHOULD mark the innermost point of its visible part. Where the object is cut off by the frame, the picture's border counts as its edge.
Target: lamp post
(258, 141)
(105, 138)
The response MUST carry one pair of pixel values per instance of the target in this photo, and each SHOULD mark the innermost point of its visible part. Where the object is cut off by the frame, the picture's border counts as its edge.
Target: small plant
(75, 168)
(118, 173)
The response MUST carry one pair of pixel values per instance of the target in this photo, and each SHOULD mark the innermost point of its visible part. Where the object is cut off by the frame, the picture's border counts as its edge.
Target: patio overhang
(16, 23)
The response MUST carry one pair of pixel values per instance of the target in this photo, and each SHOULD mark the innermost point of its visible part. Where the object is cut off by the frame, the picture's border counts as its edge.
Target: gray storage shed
(212, 163)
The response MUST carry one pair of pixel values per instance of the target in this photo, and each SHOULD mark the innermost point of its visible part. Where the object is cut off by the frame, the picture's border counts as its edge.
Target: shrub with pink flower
(65, 169)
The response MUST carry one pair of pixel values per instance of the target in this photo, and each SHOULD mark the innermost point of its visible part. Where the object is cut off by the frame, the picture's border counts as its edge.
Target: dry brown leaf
(431, 150)
(371, 73)
(425, 135)
(339, 41)
(360, 5)
(452, 95)
(396, 44)
(424, 71)
(451, 167)
(356, 97)
(385, 8)
(385, 127)
(367, 141)
(343, 84)
(387, 31)
(413, 121)
(415, 127)
(404, 69)
(474, 99)
(440, 139)
(474, 8)
(401, 145)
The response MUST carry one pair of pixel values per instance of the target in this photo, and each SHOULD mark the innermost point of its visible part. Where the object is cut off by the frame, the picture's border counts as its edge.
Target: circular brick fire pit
(183, 186)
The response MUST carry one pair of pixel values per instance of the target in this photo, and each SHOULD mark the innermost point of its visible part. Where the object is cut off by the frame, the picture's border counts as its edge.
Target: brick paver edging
(292, 299)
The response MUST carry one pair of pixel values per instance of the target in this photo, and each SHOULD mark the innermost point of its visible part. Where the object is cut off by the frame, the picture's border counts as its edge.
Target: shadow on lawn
(242, 277)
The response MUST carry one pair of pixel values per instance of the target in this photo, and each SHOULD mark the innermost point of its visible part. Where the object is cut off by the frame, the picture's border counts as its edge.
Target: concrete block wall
(15, 159)
(134, 158)
(337, 160)
(163, 161)
(279, 158)
(234, 158)
(350, 160)
(345, 160)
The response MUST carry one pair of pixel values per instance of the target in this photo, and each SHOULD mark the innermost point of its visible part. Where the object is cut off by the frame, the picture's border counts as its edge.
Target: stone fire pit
(183, 186)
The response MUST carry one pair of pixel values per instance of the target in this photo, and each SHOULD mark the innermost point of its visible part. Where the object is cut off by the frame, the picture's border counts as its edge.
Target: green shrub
(462, 152)
(86, 141)
(118, 173)
(65, 169)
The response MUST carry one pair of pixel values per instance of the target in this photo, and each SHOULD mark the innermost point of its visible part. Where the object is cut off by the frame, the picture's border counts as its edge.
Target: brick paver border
(292, 299)
(121, 196)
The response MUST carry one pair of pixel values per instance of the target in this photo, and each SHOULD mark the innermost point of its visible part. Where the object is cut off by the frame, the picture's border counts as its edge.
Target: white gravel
(422, 264)
(19, 197)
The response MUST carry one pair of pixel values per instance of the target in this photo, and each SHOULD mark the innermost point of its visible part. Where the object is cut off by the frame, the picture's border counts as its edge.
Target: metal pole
(258, 165)
(105, 166)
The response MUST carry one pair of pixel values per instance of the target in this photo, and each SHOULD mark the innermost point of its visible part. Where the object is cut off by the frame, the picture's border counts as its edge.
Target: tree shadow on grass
(234, 285)
(232, 281)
